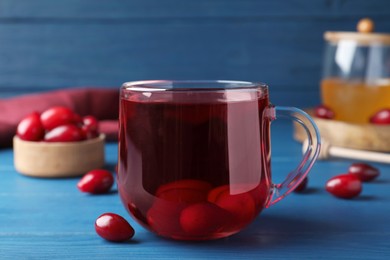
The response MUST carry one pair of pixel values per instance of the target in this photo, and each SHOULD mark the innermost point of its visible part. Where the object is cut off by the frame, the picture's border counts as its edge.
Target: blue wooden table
(50, 218)
(47, 45)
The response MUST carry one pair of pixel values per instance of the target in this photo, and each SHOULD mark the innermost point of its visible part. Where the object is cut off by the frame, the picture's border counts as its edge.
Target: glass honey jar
(356, 73)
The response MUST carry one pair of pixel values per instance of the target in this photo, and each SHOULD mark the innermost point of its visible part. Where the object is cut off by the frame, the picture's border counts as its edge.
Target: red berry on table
(302, 186)
(30, 128)
(363, 171)
(382, 117)
(64, 133)
(57, 116)
(345, 186)
(113, 227)
(96, 182)
(324, 112)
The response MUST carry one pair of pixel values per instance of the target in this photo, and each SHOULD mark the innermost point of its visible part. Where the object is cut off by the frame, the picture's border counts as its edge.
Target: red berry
(91, 122)
(302, 186)
(260, 195)
(90, 127)
(344, 186)
(113, 227)
(202, 219)
(30, 128)
(215, 193)
(57, 116)
(77, 119)
(382, 117)
(242, 206)
(164, 217)
(364, 171)
(96, 181)
(64, 133)
(324, 112)
(189, 191)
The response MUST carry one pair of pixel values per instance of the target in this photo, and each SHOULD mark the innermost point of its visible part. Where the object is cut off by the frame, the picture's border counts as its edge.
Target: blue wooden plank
(254, 47)
(107, 54)
(264, 246)
(117, 9)
(63, 55)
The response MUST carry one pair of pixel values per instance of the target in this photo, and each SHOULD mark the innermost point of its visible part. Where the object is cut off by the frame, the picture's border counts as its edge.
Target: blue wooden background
(47, 44)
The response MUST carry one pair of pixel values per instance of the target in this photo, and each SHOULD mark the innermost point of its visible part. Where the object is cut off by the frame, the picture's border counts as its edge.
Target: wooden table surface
(50, 218)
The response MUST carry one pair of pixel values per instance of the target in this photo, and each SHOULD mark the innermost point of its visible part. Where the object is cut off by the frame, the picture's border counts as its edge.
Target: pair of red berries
(382, 117)
(348, 185)
(57, 124)
(195, 208)
(109, 226)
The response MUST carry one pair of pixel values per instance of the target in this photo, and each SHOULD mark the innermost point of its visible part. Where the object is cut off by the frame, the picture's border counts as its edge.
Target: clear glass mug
(194, 156)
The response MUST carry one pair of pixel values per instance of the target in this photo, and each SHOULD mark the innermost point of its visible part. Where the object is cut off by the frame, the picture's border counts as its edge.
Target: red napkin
(103, 103)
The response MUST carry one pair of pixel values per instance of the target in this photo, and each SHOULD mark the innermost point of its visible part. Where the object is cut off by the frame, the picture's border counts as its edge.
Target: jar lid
(363, 36)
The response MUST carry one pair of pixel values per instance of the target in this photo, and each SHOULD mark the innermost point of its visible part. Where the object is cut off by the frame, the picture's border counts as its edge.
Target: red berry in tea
(96, 181)
(324, 112)
(30, 128)
(381, 117)
(215, 193)
(302, 186)
(363, 171)
(242, 206)
(113, 227)
(188, 190)
(64, 133)
(203, 219)
(345, 186)
(57, 116)
(164, 217)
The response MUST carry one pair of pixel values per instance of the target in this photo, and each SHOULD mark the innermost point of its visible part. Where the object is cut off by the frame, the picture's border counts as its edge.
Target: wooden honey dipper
(328, 151)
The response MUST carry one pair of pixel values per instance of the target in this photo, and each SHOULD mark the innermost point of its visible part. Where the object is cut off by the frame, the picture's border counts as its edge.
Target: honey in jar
(355, 101)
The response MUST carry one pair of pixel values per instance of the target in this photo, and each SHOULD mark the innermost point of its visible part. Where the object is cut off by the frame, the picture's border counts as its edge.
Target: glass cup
(194, 156)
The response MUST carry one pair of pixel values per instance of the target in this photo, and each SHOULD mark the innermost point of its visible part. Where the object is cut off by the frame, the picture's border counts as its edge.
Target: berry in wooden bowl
(324, 112)
(54, 145)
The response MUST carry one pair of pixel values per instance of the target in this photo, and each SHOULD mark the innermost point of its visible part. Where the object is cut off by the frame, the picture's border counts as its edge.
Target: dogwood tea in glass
(194, 156)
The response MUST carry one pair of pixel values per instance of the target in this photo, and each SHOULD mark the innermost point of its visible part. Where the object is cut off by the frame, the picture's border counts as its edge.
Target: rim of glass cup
(193, 85)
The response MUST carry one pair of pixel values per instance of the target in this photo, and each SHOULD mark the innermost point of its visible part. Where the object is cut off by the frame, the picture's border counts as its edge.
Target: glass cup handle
(294, 178)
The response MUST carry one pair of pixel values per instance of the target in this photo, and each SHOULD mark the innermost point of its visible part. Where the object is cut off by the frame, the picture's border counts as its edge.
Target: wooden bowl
(58, 160)
(355, 136)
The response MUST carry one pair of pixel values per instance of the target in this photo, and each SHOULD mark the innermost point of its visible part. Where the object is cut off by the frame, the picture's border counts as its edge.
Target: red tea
(190, 163)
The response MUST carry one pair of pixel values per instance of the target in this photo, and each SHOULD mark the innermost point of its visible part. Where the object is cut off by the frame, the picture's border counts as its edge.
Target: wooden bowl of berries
(57, 143)
(374, 135)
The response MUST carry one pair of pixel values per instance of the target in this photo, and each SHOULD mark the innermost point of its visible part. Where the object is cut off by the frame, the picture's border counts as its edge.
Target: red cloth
(103, 103)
